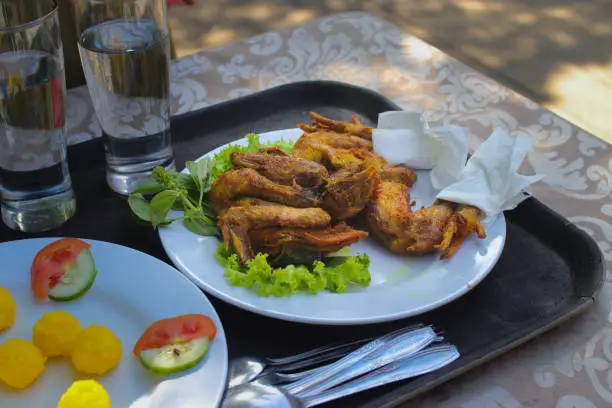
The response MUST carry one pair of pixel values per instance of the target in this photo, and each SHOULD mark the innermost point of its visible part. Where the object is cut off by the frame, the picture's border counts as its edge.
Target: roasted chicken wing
(355, 127)
(338, 151)
(388, 213)
(236, 223)
(437, 227)
(283, 169)
(391, 218)
(348, 191)
(295, 245)
(398, 174)
(247, 182)
(463, 222)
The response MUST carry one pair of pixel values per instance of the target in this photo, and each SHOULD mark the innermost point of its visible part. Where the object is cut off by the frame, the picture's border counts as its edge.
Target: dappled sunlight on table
(548, 52)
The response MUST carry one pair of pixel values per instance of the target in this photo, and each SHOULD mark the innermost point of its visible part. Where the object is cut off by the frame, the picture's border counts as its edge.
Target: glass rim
(31, 23)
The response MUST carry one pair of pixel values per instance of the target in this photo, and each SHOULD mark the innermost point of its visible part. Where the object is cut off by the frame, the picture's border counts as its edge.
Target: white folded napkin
(404, 137)
(490, 179)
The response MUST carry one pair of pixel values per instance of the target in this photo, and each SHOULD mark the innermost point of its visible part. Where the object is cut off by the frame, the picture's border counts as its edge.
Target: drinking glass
(35, 186)
(125, 52)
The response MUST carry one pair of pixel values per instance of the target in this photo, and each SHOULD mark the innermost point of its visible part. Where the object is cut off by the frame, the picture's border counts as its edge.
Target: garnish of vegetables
(175, 344)
(63, 270)
(335, 274)
(189, 192)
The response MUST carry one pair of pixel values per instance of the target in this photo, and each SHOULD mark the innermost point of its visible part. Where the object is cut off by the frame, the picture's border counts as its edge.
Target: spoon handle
(327, 372)
(420, 363)
(402, 346)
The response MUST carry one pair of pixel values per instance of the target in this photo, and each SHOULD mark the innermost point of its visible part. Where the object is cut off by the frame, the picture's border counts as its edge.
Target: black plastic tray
(549, 270)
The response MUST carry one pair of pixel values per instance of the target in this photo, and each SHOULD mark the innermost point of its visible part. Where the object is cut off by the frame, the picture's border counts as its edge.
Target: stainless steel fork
(246, 369)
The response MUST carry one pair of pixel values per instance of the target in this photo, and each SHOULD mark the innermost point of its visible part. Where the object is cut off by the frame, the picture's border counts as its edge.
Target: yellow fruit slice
(96, 351)
(21, 363)
(55, 333)
(85, 394)
(8, 308)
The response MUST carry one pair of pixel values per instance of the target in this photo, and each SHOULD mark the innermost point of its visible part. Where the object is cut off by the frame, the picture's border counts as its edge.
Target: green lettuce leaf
(221, 161)
(334, 274)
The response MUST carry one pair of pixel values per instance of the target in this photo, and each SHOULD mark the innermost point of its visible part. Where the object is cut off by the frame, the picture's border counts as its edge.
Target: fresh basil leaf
(178, 206)
(148, 186)
(140, 206)
(160, 205)
(200, 227)
(199, 172)
(186, 180)
(193, 171)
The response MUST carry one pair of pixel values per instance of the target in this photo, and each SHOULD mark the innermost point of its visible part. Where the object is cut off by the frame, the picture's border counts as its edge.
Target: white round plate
(401, 286)
(132, 290)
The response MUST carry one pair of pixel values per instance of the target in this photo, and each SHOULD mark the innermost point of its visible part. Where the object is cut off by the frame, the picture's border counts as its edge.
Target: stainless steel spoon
(265, 396)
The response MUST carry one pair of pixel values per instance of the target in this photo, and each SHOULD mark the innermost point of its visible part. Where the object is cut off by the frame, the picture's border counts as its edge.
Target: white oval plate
(400, 286)
(132, 290)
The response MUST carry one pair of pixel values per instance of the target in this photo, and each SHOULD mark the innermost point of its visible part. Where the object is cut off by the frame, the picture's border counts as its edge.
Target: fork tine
(325, 353)
(314, 352)
(318, 359)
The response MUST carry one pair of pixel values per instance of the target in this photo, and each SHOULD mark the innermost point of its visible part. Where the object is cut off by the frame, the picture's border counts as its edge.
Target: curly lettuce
(335, 274)
(222, 162)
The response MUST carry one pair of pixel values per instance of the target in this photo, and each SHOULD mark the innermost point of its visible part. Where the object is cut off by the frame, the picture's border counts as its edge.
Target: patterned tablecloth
(570, 366)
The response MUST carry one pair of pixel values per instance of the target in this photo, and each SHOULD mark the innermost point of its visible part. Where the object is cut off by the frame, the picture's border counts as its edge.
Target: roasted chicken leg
(286, 170)
(291, 245)
(236, 223)
(234, 184)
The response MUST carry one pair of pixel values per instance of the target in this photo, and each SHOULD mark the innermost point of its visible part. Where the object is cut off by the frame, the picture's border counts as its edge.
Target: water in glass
(126, 63)
(35, 185)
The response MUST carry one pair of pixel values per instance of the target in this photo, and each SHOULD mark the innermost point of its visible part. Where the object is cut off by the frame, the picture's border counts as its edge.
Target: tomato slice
(175, 330)
(51, 263)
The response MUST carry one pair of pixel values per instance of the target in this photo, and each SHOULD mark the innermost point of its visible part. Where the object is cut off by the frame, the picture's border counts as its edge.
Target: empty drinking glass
(125, 52)
(35, 187)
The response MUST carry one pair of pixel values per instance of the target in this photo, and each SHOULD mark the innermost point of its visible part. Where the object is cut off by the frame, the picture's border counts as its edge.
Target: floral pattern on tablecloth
(569, 367)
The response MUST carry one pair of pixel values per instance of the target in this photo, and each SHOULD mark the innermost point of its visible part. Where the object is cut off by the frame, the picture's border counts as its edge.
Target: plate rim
(245, 305)
(220, 328)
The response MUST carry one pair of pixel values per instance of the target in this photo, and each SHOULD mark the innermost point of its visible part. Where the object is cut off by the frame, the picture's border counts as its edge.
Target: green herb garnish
(188, 192)
(177, 191)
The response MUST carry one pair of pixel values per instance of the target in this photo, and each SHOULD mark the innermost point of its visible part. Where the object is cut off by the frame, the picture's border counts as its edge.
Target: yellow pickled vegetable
(8, 308)
(21, 363)
(96, 351)
(55, 333)
(85, 394)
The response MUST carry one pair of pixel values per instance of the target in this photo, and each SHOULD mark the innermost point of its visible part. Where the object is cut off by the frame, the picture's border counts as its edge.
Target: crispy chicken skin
(245, 182)
(438, 227)
(236, 223)
(463, 222)
(348, 191)
(286, 170)
(322, 241)
(388, 213)
(341, 151)
(398, 174)
(355, 127)
(391, 218)
(286, 205)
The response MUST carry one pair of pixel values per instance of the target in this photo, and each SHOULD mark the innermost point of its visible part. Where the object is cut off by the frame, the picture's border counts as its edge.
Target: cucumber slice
(174, 358)
(77, 280)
